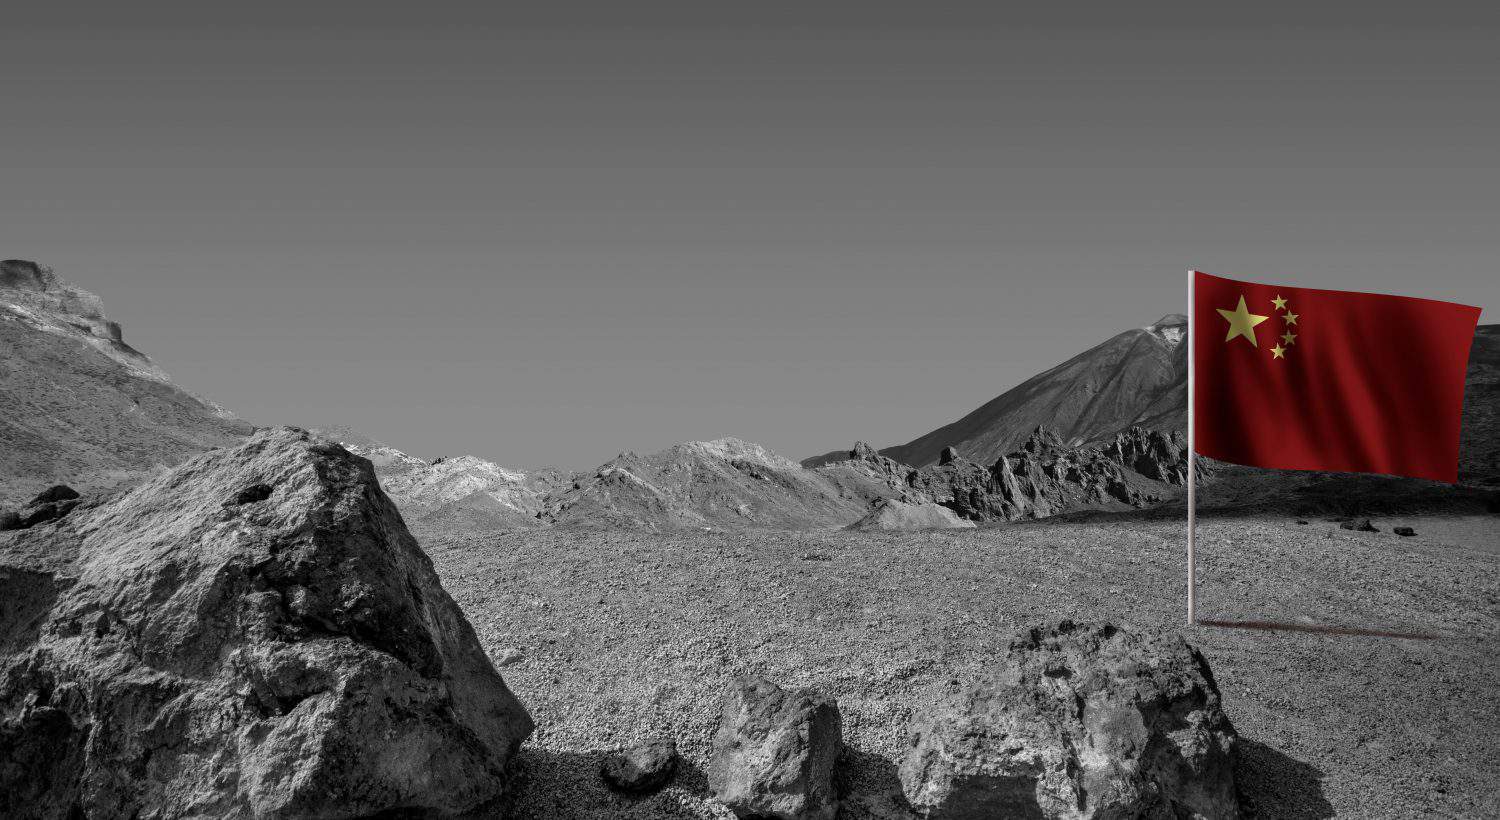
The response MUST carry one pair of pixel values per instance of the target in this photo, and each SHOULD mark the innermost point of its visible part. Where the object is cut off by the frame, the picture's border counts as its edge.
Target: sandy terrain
(622, 635)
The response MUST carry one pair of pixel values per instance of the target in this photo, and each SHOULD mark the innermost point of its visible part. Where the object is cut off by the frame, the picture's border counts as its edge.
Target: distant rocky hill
(81, 406)
(723, 483)
(463, 492)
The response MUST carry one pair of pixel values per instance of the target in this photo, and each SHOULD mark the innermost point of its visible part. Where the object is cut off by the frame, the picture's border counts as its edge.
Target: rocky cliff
(81, 405)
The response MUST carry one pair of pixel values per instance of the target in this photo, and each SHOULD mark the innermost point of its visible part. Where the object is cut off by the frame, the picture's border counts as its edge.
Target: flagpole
(1192, 469)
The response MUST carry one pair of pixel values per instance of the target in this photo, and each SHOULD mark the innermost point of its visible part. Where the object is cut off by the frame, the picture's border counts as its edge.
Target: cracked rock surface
(252, 633)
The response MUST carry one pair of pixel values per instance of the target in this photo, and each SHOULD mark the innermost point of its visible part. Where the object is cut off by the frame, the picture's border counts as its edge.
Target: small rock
(1359, 525)
(1404, 531)
(510, 657)
(642, 768)
(774, 752)
(1301, 521)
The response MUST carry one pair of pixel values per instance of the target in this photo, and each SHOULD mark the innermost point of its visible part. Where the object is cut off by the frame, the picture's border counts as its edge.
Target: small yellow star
(1279, 302)
(1278, 352)
(1290, 317)
(1242, 322)
(1289, 338)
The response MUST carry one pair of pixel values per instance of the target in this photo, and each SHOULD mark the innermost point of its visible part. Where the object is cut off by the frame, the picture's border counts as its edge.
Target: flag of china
(1303, 379)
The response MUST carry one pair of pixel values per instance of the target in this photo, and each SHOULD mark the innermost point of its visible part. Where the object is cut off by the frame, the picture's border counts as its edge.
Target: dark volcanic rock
(1404, 531)
(1361, 525)
(775, 751)
(167, 653)
(948, 456)
(1078, 721)
(642, 768)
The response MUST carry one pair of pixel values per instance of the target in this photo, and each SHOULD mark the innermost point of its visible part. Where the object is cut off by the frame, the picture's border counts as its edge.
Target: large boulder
(252, 633)
(775, 752)
(1077, 721)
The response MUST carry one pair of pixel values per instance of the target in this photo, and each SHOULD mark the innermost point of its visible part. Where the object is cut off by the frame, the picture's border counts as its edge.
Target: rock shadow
(565, 785)
(1275, 785)
(870, 787)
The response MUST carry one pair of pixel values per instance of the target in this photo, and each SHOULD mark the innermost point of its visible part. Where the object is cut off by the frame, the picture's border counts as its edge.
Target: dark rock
(166, 655)
(1404, 531)
(1077, 721)
(57, 492)
(252, 494)
(1360, 525)
(1301, 521)
(21, 273)
(10, 521)
(948, 456)
(775, 751)
(642, 768)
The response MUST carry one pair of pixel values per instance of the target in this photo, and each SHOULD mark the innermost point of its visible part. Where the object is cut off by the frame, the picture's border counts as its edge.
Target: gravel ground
(615, 636)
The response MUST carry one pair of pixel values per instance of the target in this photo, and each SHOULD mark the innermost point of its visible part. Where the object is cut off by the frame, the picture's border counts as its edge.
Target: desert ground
(612, 636)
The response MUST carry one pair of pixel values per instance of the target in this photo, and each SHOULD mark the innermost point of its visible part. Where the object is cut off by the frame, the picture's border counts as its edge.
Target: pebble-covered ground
(615, 636)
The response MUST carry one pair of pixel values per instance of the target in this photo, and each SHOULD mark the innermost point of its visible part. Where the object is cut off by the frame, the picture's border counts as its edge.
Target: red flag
(1304, 379)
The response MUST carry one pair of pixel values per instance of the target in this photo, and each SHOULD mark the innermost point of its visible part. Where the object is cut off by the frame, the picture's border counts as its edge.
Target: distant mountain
(726, 483)
(463, 492)
(1138, 378)
(80, 405)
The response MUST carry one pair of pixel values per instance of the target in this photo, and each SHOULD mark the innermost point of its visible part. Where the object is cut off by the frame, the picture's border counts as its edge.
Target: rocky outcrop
(642, 768)
(49, 505)
(251, 633)
(1077, 721)
(775, 752)
(901, 516)
(1046, 477)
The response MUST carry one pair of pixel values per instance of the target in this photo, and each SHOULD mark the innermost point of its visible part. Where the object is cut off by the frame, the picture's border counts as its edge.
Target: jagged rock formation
(1078, 721)
(251, 633)
(723, 483)
(49, 505)
(82, 406)
(775, 751)
(1045, 477)
(464, 492)
(901, 516)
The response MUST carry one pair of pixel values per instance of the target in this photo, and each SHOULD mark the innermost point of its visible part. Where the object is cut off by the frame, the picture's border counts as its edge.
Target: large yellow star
(1242, 322)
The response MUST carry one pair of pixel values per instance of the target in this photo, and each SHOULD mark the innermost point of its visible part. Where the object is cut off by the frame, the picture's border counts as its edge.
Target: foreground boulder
(775, 752)
(1078, 721)
(252, 633)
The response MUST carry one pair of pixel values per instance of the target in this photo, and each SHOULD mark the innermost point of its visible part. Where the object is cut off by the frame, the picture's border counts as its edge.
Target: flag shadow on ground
(1319, 629)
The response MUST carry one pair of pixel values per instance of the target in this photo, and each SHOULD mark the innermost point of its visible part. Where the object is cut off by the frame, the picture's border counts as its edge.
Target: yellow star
(1242, 322)
(1289, 337)
(1278, 352)
(1290, 317)
(1279, 302)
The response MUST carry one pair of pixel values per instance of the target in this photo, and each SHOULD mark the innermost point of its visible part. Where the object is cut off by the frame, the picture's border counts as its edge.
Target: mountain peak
(1171, 328)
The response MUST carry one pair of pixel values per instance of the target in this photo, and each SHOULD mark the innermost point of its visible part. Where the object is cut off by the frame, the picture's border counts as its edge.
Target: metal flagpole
(1192, 469)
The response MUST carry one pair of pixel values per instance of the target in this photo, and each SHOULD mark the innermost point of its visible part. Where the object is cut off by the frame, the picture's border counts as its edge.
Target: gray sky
(547, 240)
